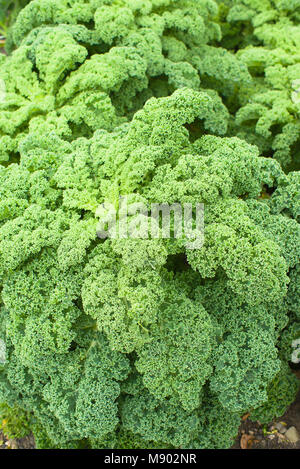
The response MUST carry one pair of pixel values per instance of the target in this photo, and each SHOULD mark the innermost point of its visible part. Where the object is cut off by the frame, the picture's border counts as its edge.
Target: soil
(257, 437)
(19, 443)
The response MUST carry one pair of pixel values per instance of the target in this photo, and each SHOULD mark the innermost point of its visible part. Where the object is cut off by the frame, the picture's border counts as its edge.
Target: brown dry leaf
(246, 441)
(245, 416)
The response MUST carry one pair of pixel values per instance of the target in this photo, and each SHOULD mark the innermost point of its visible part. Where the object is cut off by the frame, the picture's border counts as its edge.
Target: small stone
(13, 444)
(271, 437)
(292, 435)
(280, 427)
